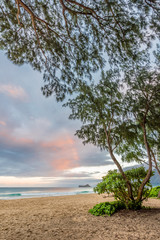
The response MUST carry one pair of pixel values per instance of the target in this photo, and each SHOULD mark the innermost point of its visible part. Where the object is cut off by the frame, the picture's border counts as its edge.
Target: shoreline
(25, 193)
(67, 217)
(39, 197)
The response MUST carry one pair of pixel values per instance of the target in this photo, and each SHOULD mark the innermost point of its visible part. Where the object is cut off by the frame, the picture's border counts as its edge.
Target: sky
(37, 142)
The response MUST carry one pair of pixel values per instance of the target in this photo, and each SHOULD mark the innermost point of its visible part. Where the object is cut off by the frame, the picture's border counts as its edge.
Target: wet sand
(67, 218)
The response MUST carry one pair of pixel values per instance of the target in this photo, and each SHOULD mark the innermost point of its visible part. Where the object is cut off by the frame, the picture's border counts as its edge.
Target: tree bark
(156, 165)
(140, 190)
(119, 167)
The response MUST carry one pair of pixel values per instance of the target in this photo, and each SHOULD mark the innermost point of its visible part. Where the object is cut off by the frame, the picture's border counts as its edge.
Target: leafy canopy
(67, 40)
(122, 117)
(99, 106)
(106, 106)
(142, 110)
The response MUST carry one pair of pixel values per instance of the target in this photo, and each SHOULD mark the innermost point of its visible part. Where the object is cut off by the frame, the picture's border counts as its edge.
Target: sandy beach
(67, 218)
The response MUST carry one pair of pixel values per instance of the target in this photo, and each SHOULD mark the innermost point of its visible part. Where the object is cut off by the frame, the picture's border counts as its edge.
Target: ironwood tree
(122, 121)
(70, 40)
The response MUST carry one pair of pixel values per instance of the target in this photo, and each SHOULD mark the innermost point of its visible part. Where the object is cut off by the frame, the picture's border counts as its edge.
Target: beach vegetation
(106, 208)
(114, 183)
(109, 208)
(122, 117)
(154, 192)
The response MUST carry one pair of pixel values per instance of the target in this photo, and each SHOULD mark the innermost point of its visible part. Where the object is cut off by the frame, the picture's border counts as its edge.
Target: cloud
(16, 92)
(77, 175)
(27, 156)
(36, 138)
(94, 157)
(2, 123)
(65, 152)
(36, 158)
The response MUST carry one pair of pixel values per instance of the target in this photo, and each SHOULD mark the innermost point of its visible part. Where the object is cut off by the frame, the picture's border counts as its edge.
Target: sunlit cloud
(22, 182)
(2, 123)
(13, 91)
(62, 164)
(67, 162)
(46, 157)
(66, 153)
(7, 137)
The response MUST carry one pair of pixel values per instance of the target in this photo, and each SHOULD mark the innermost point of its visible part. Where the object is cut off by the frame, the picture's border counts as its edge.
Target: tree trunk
(119, 167)
(155, 162)
(140, 190)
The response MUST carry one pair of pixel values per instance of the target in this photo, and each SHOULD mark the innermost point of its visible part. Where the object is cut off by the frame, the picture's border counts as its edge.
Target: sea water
(7, 193)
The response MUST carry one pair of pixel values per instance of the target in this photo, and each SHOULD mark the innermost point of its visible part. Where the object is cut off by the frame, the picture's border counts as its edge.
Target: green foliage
(68, 39)
(126, 123)
(109, 208)
(154, 191)
(142, 107)
(103, 105)
(94, 106)
(106, 208)
(114, 183)
(134, 205)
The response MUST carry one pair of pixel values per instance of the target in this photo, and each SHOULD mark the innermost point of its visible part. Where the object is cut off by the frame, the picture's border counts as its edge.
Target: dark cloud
(77, 175)
(95, 158)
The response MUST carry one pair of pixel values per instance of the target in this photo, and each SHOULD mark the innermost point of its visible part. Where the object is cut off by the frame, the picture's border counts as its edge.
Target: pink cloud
(14, 140)
(13, 91)
(66, 159)
(59, 154)
(60, 142)
(24, 141)
(62, 164)
(2, 123)
(65, 155)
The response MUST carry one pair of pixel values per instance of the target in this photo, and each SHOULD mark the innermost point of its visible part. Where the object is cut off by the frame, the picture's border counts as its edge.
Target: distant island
(87, 185)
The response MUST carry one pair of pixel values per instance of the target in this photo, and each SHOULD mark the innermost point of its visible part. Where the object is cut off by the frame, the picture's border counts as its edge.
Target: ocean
(8, 193)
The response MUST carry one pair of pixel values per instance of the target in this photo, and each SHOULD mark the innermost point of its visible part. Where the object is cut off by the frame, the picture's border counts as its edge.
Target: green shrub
(154, 191)
(114, 183)
(107, 208)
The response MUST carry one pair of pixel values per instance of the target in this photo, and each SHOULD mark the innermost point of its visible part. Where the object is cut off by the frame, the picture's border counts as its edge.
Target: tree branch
(34, 17)
(154, 159)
